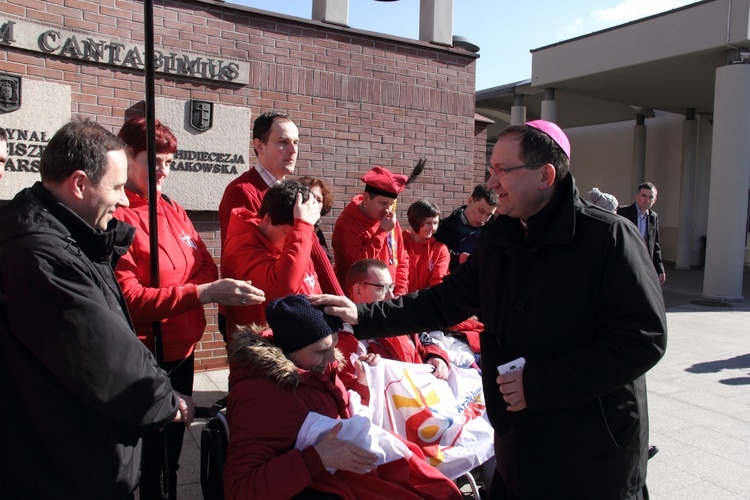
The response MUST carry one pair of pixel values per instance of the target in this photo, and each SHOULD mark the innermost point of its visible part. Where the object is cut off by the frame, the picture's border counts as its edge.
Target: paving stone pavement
(699, 400)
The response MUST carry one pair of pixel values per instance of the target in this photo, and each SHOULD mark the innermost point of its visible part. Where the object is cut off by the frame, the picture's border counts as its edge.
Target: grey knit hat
(603, 200)
(297, 324)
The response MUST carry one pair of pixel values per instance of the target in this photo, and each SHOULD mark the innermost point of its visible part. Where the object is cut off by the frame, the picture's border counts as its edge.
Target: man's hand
(186, 409)
(336, 306)
(662, 278)
(344, 455)
(462, 257)
(359, 369)
(441, 368)
(388, 222)
(309, 211)
(511, 387)
(230, 292)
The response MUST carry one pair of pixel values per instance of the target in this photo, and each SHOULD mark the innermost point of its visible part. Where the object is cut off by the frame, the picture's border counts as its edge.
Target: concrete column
(436, 21)
(730, 176)
(518, 111)
(687, 192)
(331, 11)
(639, 154)
(549, 106)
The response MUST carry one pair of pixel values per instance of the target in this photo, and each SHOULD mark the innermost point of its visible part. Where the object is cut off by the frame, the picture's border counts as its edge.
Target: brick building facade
(359, 98)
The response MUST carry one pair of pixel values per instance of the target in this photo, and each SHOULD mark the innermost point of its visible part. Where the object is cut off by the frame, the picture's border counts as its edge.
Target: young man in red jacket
(272, 249)
(368, 229)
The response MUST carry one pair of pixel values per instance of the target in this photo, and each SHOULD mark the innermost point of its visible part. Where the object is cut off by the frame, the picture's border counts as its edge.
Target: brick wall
(359, 99)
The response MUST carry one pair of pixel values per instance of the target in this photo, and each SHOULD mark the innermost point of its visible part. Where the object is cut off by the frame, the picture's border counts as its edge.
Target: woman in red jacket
(188, 279)
(428, 258)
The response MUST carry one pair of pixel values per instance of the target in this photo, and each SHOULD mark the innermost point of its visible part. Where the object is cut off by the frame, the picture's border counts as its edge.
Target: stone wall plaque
(205, 161)
(45, 108)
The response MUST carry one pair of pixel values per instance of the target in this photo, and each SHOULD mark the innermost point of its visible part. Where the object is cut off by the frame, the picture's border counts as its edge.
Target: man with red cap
(574, 318)
(368, 229)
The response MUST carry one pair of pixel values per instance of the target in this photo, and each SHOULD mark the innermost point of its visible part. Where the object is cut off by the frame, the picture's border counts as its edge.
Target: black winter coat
(580, 301)
(78, 387)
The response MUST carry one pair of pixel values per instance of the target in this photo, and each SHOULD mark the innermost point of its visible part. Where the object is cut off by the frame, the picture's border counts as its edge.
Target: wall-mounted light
(464, 43)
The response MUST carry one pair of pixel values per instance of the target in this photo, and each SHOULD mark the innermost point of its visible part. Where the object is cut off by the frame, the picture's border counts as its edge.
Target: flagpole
(148, 20)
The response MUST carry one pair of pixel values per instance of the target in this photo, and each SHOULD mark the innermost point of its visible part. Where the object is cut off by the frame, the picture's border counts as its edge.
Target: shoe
(652, 450)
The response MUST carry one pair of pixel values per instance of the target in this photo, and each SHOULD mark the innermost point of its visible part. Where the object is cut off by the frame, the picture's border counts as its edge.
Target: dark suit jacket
(630, 212)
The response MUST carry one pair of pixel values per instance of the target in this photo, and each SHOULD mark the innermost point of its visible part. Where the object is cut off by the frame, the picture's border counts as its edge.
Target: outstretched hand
(344, 455)
(230, 292)
(336, 305)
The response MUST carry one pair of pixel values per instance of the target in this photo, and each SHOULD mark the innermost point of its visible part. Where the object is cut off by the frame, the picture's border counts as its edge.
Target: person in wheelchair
(274, 387)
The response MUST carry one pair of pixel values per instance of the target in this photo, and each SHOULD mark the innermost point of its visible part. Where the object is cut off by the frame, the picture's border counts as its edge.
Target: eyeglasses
(383, 289)
(501, 172)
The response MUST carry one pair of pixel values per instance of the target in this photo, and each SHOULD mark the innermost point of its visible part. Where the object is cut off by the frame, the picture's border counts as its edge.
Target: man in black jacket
(78, 387)
(569, 288)
(647, 222)
(461, 230)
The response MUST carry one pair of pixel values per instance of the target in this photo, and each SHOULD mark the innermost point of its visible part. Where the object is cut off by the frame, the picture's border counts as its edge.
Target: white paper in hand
(511, 366)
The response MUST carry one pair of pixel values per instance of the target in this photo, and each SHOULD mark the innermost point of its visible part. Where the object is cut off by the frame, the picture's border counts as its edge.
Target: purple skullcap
(555, 132)
(296, 324)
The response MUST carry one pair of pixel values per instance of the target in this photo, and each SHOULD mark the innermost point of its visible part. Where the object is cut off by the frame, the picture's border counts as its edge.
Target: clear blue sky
(504, 30)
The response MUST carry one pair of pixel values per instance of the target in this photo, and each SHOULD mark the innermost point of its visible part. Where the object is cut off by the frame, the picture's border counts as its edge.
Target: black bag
(214, 441)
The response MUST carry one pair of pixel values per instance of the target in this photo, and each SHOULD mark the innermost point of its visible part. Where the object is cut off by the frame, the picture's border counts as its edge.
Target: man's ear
(356, 292)
(258, 145)
(548, 176)
(77, 184)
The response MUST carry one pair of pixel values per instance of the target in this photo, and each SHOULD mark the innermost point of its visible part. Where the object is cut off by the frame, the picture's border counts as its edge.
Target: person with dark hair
(428, 258)
(188, 279)
(276, 143)
(276, 388)
(3, 150)
(77, 384)
(574, 318)
(461, 230)
(368, 229)
(272, 249)
(647, 222)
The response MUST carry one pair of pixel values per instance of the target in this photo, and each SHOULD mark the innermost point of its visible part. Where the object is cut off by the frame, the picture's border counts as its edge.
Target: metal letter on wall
(201, 114)
(10, 92)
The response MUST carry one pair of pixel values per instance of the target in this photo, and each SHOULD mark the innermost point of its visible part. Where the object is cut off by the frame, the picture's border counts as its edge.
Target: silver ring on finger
(243, 302)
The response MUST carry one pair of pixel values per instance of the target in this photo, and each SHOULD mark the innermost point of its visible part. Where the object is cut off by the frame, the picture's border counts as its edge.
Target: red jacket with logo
(249, 255)
(184, 263)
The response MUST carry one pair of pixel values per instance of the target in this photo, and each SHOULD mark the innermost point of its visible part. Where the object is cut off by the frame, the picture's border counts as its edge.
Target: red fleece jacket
(249, 255)
(184, 263)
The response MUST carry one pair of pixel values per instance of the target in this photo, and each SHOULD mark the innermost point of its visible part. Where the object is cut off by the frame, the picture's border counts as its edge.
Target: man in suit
(647, 221)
